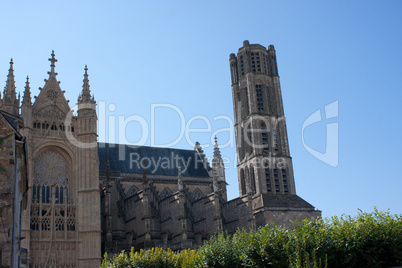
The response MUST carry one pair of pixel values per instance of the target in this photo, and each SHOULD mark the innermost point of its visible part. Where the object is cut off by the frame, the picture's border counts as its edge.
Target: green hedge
(367, 240)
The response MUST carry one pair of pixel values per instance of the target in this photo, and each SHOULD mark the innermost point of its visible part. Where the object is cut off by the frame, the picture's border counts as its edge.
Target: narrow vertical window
(248, 181)
(238, 105)
(260, 102)
(257, 58)
(242, 65)
(268, 98)
(252, 178)
(264, 137)
(246, 108)
(275, 139)
(250, 138)
(242, 182)
(268, 180)
(285, 180)
(276, 179)
(253, 62)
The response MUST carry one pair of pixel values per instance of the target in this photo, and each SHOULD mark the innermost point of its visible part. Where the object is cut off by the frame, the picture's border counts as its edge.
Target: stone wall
(6, 191)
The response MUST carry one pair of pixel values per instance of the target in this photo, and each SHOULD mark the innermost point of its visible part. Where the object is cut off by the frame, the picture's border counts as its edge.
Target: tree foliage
(366, 240)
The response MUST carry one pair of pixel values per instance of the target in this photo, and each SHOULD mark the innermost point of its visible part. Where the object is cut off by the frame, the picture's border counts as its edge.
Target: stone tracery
(53, 214)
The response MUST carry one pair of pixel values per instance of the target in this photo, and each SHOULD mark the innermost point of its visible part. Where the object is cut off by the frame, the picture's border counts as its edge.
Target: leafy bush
(366, 240)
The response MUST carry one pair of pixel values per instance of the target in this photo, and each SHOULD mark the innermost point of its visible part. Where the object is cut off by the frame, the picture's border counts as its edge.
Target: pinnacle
(10, 83)
(27, 94)
(217, 153)
(85, 96)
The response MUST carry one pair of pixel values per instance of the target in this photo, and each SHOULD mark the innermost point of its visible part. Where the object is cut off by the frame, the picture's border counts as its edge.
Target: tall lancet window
(275, 139)
(260, 102)
(252, 179)
(247, 110)
(250, 139)
(242, 182)
(51, 209)
(264, 137)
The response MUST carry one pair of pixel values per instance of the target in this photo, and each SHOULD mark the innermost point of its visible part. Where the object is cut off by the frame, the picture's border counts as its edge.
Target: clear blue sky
(141, 53)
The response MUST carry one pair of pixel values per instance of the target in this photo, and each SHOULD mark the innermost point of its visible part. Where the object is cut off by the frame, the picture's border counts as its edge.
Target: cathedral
(66, 198)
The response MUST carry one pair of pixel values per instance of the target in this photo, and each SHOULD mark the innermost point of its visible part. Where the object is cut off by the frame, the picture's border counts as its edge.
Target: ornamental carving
(53, 213)
(52, 94)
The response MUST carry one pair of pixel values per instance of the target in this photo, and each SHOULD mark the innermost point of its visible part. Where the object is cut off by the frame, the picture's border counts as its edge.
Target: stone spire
(85, 96)
(10, 102)
(52, 60)
(26, 99)
(9, 89)
(217, 163)
(217, 152)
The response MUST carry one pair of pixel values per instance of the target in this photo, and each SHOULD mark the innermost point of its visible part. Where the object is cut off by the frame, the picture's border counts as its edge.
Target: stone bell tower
(264, 162)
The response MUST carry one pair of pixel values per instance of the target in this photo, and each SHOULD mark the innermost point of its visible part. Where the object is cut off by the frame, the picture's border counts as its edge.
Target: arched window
(250, 138)
(165, 193)
(53, 127)
(131, 191)
(252, 178)
(36, 124)
(45, 125)
(248, 184)
(242, 182)
(51, 208)
(197, 194)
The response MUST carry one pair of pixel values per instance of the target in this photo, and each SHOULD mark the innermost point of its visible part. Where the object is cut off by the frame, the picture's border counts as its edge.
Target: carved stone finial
(53, 60)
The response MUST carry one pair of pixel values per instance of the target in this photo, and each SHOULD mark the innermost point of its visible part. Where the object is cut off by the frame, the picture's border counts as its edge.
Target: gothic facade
(85, 198)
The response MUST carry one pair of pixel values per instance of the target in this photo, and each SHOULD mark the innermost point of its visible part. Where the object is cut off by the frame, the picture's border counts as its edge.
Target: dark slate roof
(12, 120)
(158, 161)
(285, 201)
